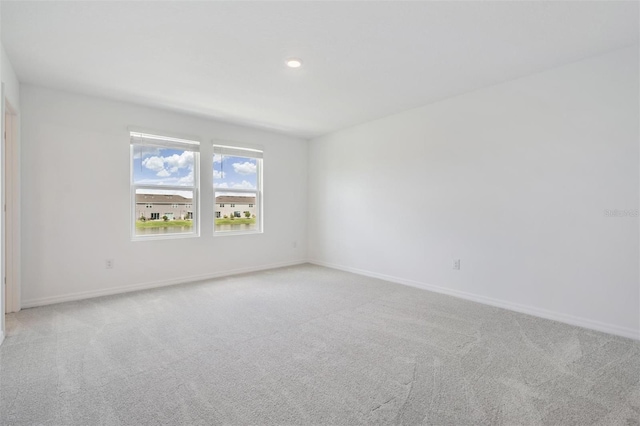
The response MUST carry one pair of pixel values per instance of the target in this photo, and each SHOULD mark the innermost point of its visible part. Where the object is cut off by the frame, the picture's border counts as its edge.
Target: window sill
(230, 233)
(164, 237)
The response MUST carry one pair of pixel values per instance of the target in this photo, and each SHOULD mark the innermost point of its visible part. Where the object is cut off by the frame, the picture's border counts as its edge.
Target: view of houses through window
(164, 184)
(237, 188)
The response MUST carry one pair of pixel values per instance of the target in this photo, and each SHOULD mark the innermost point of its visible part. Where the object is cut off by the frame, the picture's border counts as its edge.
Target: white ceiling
(362, 60)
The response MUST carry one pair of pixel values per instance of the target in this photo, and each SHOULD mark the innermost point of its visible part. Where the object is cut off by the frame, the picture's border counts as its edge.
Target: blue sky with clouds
(162, 166)
(166, 166)
(235, 172)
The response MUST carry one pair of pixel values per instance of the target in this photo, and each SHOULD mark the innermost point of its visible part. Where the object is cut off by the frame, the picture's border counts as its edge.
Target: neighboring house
(231, 205)
(155, 206)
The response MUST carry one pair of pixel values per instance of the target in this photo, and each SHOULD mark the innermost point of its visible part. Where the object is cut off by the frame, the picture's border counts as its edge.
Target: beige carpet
(308, 345)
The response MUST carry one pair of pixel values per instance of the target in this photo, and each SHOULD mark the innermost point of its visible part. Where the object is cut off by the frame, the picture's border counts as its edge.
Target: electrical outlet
(456, 264)
(108, 264)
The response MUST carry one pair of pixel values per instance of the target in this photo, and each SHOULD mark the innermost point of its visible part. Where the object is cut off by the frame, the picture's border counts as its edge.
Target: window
(237, 180)
(164, 176)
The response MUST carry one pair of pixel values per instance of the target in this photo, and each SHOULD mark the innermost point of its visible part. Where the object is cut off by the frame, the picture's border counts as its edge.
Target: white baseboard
(32, 303)
(529, 310)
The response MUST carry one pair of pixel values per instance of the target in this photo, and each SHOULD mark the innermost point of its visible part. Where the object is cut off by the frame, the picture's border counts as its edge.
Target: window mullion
(243, 190)
(165, 187)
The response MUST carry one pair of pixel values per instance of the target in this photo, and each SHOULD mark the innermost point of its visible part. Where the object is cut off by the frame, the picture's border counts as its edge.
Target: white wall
(2, 287)
(76, 202)
(10, 81)
(512, 179)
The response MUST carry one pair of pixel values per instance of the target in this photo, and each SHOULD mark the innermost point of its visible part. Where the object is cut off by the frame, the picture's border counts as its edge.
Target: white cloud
(245, 168)
(243, 185)
(217, 174)
(175, 161)
(154, 163)
(217, 158)
(166, 166)
(180, 181)
(186, 180)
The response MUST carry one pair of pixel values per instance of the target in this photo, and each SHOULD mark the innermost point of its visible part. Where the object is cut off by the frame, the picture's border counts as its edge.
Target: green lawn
(162, 224)
(236, 221)
(189, 223)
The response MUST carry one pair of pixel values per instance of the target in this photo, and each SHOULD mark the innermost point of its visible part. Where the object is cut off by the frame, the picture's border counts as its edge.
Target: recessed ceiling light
(294, 63)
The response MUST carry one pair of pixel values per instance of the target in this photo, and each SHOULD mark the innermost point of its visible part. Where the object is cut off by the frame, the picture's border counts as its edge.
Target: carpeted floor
(308, 345)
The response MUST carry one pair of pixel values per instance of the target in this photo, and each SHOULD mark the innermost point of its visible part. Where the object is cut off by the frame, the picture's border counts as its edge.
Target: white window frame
(247, 151)
(153, 139)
